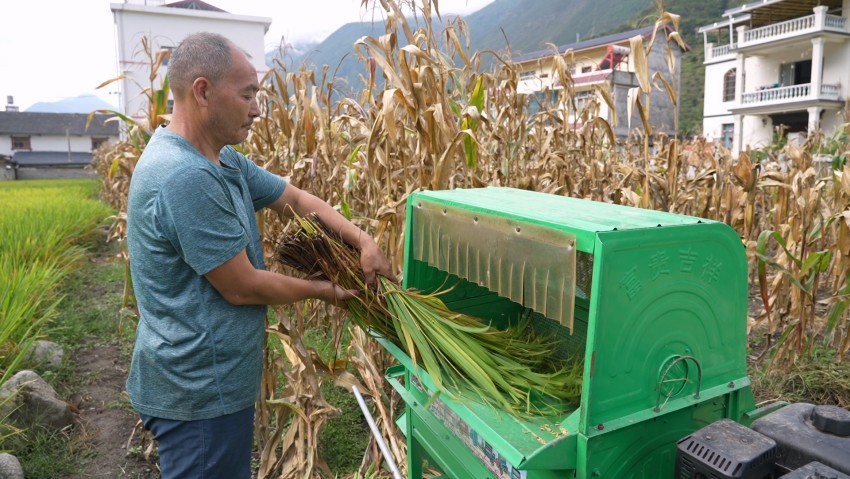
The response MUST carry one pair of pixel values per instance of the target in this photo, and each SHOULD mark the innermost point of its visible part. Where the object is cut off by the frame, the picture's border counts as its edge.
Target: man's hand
(372, 259)
(374, 262)
(335, 294)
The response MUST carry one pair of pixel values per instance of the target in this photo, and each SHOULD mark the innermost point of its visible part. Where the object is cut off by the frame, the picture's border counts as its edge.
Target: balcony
(797, 28)
(782, 98)
(721, 53)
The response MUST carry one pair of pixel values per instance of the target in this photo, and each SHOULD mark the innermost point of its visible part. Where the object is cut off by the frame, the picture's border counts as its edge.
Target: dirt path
(106, 421)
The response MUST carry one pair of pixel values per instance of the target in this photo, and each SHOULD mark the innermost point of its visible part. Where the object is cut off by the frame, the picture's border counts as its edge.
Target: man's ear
(201, 90)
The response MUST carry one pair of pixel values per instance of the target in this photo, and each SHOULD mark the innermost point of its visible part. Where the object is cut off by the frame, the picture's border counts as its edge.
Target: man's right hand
(335, 294)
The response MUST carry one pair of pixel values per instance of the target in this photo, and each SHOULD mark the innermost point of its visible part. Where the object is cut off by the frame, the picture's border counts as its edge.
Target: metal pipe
(376, 434)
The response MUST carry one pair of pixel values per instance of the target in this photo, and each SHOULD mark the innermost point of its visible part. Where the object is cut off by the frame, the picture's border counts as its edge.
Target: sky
(56, 49)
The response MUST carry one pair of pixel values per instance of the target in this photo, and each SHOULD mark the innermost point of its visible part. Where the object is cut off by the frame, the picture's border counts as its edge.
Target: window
(586, 69)
(170, 106)
(727, 132)
(96, 141)
(797, 73)
(527, 75)
(729, 85)
(582, 97)
(21, 143)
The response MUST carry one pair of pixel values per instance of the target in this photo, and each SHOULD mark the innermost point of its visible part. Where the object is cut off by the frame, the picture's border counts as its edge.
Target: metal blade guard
(655, 303)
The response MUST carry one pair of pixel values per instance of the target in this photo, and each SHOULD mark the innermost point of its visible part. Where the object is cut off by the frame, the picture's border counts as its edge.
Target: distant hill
(529, 25)
(80, 104)
(522, 25)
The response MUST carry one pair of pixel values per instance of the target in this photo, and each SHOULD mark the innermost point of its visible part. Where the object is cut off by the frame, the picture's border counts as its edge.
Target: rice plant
(43, 224)
(511, 369)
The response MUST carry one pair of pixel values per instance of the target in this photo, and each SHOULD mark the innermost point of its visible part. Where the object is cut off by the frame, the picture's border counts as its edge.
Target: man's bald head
(201, 54)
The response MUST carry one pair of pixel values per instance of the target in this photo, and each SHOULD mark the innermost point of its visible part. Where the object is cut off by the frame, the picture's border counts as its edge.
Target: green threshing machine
(655, 303)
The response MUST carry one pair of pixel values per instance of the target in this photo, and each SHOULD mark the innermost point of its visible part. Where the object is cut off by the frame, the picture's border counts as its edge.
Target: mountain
(528, 25)
(80, 104)
(523, 26)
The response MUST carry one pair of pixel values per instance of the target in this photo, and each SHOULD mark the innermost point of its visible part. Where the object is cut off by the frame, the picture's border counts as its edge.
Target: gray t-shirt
(196, 356)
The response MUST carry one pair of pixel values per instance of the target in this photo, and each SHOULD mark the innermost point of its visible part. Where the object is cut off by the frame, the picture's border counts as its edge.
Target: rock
(10, 467)
(46, 353)
(36, 401)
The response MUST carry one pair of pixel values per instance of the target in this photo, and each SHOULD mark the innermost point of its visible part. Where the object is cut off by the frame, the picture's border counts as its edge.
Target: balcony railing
(836, 22)
(722, 50)
(795, 26)
(831, 92)
(779, 29)
(791, 93)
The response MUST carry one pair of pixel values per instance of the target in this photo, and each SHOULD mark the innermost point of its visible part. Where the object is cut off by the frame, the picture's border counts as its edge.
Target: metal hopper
(655, 303)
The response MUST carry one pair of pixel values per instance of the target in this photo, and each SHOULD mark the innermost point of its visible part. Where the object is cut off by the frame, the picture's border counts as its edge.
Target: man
(197, 265)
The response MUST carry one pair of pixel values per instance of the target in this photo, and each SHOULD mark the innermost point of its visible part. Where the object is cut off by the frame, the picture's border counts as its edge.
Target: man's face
(233, 105)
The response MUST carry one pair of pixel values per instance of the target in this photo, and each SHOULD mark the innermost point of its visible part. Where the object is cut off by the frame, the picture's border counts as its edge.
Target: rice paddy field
(43, 225)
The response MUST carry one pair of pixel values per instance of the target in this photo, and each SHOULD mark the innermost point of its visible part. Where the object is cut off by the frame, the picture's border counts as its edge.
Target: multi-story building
(776, 64)
(163, 25)
(604, 63)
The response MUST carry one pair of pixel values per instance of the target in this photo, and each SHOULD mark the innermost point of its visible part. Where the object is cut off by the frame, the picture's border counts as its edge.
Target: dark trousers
(205, 449)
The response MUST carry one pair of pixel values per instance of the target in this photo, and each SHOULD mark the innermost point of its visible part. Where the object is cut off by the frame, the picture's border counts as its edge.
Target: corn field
(428, 117)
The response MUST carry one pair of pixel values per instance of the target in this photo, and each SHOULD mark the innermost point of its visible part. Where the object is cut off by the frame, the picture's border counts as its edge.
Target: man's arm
(372, 259)
(241, 283)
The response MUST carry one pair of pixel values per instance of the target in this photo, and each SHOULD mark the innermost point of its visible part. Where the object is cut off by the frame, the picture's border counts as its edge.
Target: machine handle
(658, 405)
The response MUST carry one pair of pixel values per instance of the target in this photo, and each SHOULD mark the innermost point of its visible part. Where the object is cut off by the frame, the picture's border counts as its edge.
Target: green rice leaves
(511, 369)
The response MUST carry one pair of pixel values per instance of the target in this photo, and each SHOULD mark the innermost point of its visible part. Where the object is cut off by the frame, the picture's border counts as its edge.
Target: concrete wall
(79, 143)
(714, 104)
(836, 68)
(54, 173)
(166, 27)
(662, 109)
(713, 127)
(757, 131)
(6, 172)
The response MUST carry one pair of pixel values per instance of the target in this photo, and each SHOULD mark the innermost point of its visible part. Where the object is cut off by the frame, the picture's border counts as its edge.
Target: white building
(776, 63)
(50, 145)
(604, 63)
(164, 25)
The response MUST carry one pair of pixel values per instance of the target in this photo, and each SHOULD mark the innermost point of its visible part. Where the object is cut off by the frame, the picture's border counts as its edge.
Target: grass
(92, 301)
(346, 436)
(822, 379)
(47, 455)
(48, 290)
(88, 316)
(43, 224)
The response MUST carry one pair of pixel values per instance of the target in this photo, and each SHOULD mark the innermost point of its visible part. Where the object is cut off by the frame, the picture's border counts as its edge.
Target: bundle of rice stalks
(511, 369)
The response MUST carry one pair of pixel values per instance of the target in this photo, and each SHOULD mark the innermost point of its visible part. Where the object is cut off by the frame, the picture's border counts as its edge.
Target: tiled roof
(194, 5)
(51, 158)
(30, 123)
(586, 44)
